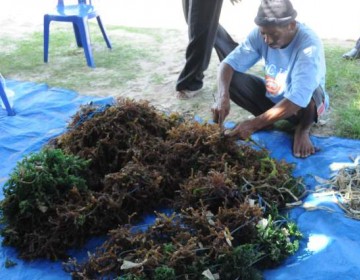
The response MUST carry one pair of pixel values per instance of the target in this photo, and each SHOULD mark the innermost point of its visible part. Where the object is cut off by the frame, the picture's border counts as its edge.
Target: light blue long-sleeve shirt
(293, 72)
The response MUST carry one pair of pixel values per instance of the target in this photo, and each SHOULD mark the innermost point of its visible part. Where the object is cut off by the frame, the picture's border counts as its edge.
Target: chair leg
(83, 28)
(77, 35)
(5, 100)
(103, 31)
(46, 37)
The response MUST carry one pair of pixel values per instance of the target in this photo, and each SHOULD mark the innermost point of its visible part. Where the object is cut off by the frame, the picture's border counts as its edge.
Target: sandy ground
(326, 17)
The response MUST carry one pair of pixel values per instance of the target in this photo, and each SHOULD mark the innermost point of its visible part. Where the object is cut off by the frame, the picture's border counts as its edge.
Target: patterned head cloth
(275, 12)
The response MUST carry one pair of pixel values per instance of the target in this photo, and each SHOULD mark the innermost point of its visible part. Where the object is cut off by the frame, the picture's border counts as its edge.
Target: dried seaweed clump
(111, 136)
(225, 195)
(346, 183)
(192, 245)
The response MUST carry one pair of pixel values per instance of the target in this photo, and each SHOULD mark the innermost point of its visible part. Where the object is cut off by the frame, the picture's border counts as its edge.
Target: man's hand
(282, 110)
(220, 110)
(242, 130)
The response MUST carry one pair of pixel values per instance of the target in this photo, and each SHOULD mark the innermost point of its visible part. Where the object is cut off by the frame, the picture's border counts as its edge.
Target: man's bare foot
(303, 146)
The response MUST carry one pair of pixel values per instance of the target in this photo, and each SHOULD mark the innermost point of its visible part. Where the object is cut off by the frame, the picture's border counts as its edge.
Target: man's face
(277, 37)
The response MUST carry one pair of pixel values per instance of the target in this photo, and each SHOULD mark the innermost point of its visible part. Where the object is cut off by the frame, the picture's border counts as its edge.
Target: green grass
(66, 65)
(343, 85)
(135, 55)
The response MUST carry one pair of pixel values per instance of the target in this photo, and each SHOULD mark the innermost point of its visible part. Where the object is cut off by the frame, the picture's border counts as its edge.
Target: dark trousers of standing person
(202, 17)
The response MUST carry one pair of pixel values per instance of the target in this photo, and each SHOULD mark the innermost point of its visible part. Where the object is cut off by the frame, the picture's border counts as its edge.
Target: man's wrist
(224, 95)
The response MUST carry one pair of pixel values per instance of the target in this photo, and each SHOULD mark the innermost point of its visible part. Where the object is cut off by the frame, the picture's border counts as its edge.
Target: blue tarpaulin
(330, 249)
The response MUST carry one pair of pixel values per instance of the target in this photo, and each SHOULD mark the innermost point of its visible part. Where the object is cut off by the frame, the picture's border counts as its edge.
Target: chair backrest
(77, 12)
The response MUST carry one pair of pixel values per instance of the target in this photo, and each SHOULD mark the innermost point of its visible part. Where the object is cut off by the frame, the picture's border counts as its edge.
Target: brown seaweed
(141, 159)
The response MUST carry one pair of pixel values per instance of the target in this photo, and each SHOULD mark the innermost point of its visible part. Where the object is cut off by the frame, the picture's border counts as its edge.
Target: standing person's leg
(203, 20)
(185, 6)
(224, 43)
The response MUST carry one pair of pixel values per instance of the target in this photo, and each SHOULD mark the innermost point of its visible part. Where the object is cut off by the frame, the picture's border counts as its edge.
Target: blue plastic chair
(78, 15)
(5, 100)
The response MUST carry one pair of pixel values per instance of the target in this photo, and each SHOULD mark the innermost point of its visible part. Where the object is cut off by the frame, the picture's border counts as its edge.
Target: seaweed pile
(114, 164)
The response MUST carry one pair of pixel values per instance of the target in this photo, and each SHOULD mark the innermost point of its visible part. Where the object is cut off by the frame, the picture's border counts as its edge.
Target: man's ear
(292, 25)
